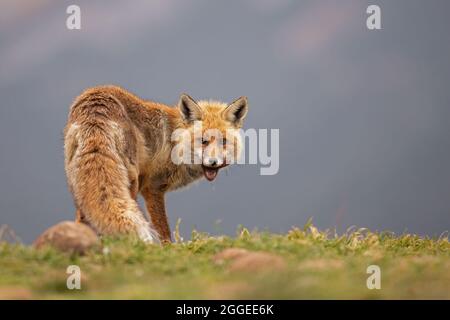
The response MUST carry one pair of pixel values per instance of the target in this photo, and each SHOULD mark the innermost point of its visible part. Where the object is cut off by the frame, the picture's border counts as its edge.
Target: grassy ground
(303, 264)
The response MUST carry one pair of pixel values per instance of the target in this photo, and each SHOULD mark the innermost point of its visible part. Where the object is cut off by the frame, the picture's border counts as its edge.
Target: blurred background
(364, 116)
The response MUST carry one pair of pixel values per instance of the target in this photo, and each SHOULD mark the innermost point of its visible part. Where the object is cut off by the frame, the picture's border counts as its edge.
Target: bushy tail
(100, 185)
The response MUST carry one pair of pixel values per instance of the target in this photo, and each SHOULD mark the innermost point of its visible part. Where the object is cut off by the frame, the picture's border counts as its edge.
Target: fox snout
(212, 162)
(211, 165)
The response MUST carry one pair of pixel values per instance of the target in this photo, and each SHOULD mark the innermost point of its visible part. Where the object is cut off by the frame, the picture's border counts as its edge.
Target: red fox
(117, 145)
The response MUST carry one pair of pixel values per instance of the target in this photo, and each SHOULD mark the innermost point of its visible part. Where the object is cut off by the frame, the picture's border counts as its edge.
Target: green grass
(317, 265)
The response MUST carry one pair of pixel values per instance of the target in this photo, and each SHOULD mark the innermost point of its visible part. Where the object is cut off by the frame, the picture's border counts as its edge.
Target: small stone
(229, 254)
(250, 261)
(258, 262)
(69, 236)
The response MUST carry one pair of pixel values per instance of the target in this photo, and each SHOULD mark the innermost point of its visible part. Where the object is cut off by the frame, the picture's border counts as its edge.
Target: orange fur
(118, 145)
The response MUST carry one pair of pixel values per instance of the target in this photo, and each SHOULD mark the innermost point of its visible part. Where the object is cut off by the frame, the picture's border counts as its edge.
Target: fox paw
(148, 235)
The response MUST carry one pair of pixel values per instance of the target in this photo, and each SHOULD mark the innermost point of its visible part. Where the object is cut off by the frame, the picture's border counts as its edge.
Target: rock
(229, 254)
(258, 261)
(69, 236)
(250, 261)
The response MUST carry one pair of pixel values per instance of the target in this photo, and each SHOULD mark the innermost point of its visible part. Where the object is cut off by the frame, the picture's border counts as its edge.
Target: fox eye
(224, 141)
(205, 142)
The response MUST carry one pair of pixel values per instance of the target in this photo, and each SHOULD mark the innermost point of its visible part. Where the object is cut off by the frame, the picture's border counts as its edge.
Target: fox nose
(212, 162)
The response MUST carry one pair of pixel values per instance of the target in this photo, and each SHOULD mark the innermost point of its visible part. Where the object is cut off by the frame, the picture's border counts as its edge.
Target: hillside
(302, 264)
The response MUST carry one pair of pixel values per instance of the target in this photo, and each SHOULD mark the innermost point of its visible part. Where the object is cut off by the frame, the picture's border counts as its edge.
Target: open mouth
(210, 173)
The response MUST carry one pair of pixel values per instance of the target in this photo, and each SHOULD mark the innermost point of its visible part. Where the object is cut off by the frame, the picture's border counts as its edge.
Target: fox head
(211, 132)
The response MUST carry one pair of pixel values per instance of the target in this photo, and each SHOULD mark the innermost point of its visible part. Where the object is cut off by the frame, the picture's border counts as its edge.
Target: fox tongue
(210, 174)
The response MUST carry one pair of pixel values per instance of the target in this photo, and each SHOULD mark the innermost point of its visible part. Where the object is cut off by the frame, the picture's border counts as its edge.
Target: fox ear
(189, 109)
(236, 111)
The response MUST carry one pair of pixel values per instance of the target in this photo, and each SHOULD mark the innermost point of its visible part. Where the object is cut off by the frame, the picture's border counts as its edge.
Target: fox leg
(154, 201)
(79, 217)
(134, 183)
